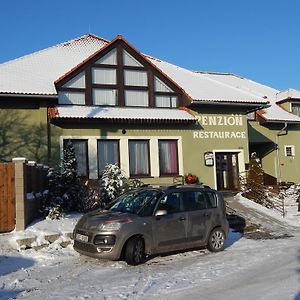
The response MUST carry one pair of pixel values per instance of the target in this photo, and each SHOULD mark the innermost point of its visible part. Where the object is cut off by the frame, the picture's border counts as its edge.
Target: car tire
(216, 240)
(135, 251)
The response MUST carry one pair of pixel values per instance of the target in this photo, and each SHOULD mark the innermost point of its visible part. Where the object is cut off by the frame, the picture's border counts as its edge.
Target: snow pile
(292, 216)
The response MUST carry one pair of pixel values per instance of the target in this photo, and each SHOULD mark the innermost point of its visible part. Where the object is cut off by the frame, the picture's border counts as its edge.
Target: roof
(162, 115)
(202, 88)
(287, 94)
(274, 113)
(36, 73)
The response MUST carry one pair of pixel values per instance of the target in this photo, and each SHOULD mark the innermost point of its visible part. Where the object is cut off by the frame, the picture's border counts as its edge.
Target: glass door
(227, 171)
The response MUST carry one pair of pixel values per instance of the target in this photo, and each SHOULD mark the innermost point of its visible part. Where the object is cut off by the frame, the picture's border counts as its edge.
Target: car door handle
(182, 219)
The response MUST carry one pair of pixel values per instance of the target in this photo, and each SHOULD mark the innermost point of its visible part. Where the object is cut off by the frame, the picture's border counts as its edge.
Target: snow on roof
(123, 113)
(204, 88)
(35, 73)
(274, 113)
(287, 94)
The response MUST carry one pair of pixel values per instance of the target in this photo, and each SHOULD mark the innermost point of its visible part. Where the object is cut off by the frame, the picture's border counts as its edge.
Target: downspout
(278, 171)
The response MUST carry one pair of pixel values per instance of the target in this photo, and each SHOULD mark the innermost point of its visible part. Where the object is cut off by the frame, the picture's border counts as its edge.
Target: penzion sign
(233, 120)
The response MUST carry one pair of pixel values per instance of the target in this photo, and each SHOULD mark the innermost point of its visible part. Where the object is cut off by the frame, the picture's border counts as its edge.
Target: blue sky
(256, 39)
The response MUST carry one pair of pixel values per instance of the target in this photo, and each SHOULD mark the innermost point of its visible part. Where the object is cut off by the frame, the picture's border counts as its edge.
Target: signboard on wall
(209, 159)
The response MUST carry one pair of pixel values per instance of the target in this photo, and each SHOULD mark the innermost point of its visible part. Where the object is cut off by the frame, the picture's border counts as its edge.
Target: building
(155, 119)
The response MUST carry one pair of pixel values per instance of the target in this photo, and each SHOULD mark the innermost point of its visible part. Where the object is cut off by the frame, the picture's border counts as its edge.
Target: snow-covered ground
(247, 269)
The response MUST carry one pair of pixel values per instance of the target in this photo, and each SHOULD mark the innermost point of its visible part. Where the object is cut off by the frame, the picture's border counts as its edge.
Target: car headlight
(114, 225)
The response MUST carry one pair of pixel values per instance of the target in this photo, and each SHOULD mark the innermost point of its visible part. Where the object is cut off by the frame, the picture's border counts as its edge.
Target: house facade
(154, 119)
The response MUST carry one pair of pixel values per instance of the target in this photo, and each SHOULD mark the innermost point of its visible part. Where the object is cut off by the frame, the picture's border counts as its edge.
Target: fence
(7, 197)
(21, 191)
(260, 193)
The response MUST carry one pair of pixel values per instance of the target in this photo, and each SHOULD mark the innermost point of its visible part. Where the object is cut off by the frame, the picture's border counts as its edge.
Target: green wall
(209, 134)
(275, 162)
(23, 131)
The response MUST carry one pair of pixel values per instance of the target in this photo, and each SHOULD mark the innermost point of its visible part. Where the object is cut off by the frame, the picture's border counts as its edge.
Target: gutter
(281, 132)
(28, 96)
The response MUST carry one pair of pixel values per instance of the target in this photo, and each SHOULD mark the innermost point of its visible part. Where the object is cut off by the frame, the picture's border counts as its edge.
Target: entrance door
(227, 170)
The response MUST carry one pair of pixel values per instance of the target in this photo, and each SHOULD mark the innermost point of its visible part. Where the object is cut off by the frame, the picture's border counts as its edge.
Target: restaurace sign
(233, 120)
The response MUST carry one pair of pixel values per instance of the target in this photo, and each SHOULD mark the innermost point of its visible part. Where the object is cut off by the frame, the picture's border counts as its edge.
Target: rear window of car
(212, 199)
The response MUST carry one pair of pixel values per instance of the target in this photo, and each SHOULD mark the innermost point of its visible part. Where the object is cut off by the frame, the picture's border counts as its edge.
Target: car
(152, 220)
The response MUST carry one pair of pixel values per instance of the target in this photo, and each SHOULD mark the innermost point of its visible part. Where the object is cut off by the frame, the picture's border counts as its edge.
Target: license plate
(81, 237)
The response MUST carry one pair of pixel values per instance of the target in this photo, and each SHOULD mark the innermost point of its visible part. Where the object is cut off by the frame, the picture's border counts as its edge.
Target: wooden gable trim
(119, 42)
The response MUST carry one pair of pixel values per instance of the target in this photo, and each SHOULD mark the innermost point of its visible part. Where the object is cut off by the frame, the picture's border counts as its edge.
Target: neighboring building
(117, 105)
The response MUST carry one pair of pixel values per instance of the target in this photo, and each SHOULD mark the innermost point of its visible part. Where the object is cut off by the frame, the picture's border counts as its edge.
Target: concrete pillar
(20, 192)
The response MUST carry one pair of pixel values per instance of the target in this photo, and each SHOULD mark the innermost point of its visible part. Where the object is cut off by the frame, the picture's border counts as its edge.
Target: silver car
(152, 220)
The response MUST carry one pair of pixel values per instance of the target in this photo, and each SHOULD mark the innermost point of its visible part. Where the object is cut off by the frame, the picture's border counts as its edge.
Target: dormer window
(118, 76)
(296, 108)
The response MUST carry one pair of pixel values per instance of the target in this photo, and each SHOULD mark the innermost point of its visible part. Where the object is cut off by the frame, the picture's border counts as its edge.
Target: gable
(119, 75)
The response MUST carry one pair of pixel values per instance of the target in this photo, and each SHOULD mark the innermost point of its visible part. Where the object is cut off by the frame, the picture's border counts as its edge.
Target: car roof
(176, 187)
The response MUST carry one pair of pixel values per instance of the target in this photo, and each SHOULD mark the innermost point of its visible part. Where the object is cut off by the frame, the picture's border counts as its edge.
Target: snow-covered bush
(66, 190)
(114, 183)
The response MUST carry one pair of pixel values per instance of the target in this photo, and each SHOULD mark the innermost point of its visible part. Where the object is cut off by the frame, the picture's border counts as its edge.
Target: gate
(7, 197)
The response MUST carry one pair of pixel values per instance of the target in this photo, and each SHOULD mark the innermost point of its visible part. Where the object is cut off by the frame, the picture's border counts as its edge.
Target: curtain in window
(110, 58)
(168, 160)
(77, 82)
(136, 98)
(108, 153)
(104, 97)
(80, 149)
(296, 109)
(104, 76)
(161, 86)
(135, 78)
(165, 101)
(139, 158)
(71, 98)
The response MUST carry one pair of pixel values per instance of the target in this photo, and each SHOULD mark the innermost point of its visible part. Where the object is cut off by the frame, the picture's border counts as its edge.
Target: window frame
(151, 73)
(149, 160)
(177, 160)
(292, 148)
(65, 141)
(107, 140)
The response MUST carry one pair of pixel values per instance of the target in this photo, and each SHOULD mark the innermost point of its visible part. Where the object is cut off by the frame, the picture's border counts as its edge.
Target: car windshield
(134, 201)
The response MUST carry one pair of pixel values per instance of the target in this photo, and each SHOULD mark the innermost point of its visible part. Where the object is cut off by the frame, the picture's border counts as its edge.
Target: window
(212, 199)
(104, 97)
(139, 158)
(129, 60)
(172, 203)
(109, 59)
(71, 98)
(76, 82)
(166, 101)
(81, 154)
(108, 153)
(168, 157)
(194, 200)
(136, 98)
(104, 76)
(289, 150)
(135, 78)
(161, 86)
(296, 109)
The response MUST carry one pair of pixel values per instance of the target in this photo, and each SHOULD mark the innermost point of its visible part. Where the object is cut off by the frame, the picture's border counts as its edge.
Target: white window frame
(124, 152)
(292, 147)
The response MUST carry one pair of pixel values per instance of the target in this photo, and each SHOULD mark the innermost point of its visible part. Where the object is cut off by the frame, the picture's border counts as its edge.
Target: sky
(256, 39)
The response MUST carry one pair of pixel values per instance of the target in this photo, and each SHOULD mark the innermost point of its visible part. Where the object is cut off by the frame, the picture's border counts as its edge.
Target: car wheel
(216, 240)
(135, 251)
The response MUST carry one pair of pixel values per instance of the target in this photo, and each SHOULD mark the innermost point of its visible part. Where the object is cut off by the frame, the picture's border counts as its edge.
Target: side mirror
(160, 213)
